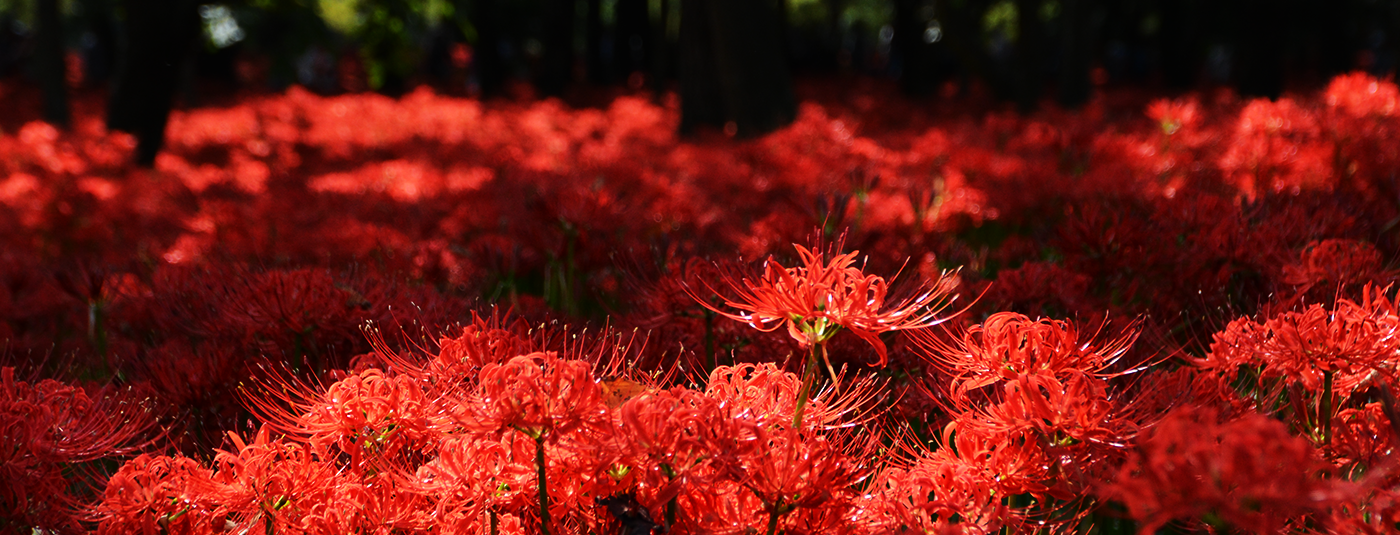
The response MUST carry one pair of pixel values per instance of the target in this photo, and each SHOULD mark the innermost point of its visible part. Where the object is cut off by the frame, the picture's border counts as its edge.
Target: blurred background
(732, 62)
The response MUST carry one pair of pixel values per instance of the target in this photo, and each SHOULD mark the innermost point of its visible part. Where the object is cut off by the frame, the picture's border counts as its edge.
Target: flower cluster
(1166, 288)
(55, 437)
(531, 441)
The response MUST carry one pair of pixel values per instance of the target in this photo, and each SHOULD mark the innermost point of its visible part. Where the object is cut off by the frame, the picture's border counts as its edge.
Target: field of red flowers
(355, 314)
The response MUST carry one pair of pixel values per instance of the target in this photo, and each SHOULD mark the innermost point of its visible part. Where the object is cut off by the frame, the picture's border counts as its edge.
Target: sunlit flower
(540, 395)
(819, 298)
(1008, 346)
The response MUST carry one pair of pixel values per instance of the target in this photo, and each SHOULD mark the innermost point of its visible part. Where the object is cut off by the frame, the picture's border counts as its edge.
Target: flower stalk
(544, 490)
(809, 377)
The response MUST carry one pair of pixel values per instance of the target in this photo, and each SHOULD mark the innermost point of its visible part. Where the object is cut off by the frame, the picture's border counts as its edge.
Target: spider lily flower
(1008, 346)
(818, 298)
(1250, 473)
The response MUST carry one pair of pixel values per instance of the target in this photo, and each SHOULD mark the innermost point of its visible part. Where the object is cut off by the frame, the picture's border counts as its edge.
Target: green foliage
(343, 16)
(388, 32)
(1003, 17)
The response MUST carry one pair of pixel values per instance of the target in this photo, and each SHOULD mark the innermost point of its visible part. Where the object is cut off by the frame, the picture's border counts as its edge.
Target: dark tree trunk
(733, 68)
(1335, 44)
(99, 57)
(594, 62)
(487, 61)
(158, 36)
(661, 49)
(916, 73)
(784, 12)
(1079, 37)
(1261, 48)
(835, 38)
(557, 65)
(1391, 15)
(1180, 43)
(631, 37)
(49, 64)
(1029, 58)
(966, 39)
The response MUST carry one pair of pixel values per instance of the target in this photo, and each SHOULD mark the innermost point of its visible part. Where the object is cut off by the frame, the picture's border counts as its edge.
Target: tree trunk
(595, 63)
(1261, 48)
(1079, 34)
(49, 64)
(557, 64)
(1029, 59)
(966, 39)
(661, 49)
(1180, 48)
(631, 37)
(486, 55)
(916, 74)
(158, 36)
(836, 37)
(733, 68)
(99, 58)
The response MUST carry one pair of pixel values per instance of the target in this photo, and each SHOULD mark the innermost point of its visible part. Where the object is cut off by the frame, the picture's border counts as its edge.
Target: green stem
(1326, 412)
(773, 518)
(671, 506)
(97, 331)
(711, 361)
(809, 376)
(544, 492)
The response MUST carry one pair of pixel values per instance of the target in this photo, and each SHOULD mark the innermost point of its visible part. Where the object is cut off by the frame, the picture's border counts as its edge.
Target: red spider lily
(1338, 261)
(1309, 365)
(769, 395)
(1173, 116)
(1333, 267)
(1373, 513)
(727, 508)
(370, 413)
(487, 340)
(819, 298)
(154, 494)
(1008, 346)
(53, 434)
(543, 397)
(1068, 410)
(539, 394)
(1352, 341)
(685, 445)
(1276, 147)
(472, 478)
(272, 485)
(368, 416)
(1361, 437)
(280, 486)
(935, 496)
(665, 453)
(1088, 214)
(1362, 123)
(788, 471)
(1017, 461)
(1359, 94)
(762, 390)
(1249, 474)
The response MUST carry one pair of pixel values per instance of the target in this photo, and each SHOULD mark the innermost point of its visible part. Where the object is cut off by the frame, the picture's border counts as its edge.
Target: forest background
(725, 266)
(740, 55)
